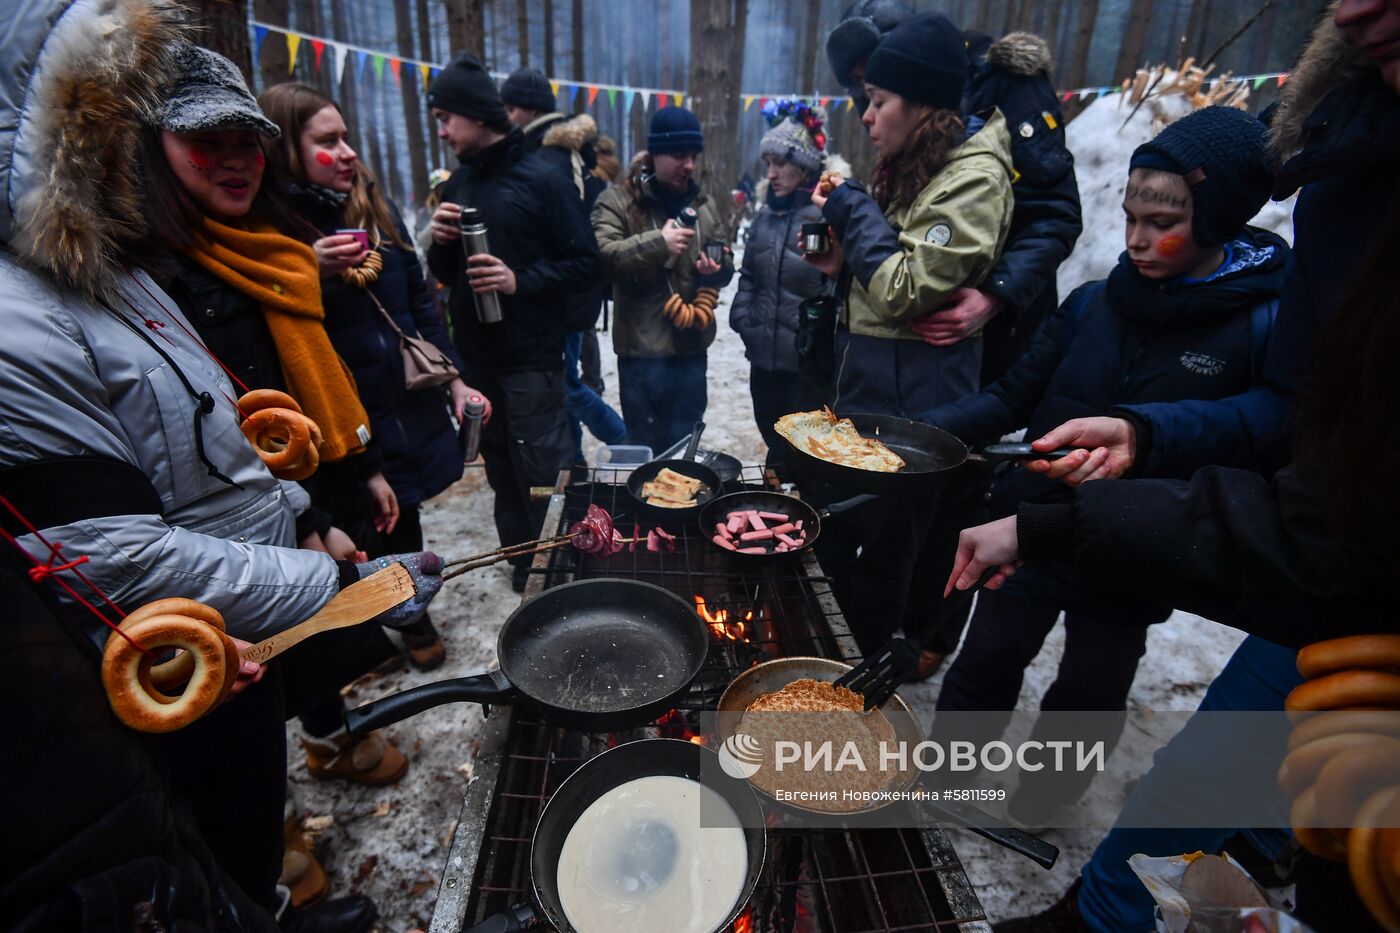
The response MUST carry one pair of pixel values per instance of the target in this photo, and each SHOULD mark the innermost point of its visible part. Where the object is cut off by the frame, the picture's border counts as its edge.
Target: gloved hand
(425, 568)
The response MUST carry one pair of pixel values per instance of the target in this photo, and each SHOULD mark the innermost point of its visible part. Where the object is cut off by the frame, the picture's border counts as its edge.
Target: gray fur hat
(210, 94)
(792, 142)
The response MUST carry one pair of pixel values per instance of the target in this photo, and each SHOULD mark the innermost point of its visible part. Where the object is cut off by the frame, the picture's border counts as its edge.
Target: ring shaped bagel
(307, 465)
(1368, 652)
(258, 399)
(1364, 856)
(1317, 839)
(178, 669)
(1350, 777)
(280, 436)
(1309, 727)
(1346, 688)
(126, 672)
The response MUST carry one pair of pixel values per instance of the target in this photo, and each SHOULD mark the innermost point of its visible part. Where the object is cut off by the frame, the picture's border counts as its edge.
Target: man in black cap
(538, 256)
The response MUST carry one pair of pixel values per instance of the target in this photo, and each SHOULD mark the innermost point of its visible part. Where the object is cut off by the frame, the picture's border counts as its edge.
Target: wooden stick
(358, 602)
(486, 560)
(512, 550)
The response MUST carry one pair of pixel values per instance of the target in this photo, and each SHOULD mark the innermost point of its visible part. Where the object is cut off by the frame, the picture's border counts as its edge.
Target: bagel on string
(258, 399)
(128, 673)
(286, 440)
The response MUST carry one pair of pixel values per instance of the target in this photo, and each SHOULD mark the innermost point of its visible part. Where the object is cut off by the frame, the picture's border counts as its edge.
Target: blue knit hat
(923, 59)
(673, 130)
(1223, 154)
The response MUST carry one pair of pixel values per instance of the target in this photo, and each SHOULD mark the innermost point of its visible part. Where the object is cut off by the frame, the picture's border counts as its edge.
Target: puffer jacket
(119, 439)
(907, 262)
(774, 281)
(417, 445)
(627, 222)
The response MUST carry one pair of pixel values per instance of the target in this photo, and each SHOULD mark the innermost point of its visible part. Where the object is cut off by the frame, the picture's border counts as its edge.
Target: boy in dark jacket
(1185, 315)
(539, 255)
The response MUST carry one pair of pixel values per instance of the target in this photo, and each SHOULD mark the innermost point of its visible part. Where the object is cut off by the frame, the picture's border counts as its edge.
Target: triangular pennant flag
(1068, 95)
(318, 47)
(762, 102)
(646, 99)
(424, 70)
(341, 56)
(850, 103)
(395, 64)
(360, 69)
(1259, 81)
(612, 97)
(435, 73)
(1086, 93)
(748, 101)
(573, 93)
(293, 40)
(1281, 79)
(259, 34)
(825, 101)
(554, 86)
(1104, 90)
(680, 100)
(378, 66)
(593, 90)
(627, 101)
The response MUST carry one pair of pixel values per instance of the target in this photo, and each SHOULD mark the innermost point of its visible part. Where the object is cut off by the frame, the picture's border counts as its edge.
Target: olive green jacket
(634, 260)
(908, 261)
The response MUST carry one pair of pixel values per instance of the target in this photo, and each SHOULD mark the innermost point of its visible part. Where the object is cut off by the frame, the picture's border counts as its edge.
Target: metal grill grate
(813, 881)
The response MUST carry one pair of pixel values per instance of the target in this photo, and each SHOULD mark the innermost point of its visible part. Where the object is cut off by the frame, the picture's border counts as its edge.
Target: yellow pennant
(293, 40)
(424, 70)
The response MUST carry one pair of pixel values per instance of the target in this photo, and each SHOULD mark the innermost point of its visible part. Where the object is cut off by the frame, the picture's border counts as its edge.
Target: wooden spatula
(358, 602)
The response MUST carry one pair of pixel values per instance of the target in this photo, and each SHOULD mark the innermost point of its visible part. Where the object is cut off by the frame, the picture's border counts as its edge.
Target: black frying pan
(614, 767)
(595, 655)
(686, 466)
(716, 511)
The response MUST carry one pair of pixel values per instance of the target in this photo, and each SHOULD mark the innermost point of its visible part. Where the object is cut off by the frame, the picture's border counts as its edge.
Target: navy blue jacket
(1232, 545)
(1011, 75)
(550, 250)
(416, 439)
(1127, 340)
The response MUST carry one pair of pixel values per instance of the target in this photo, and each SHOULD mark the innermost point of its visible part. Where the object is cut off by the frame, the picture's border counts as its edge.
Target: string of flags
(341, 53)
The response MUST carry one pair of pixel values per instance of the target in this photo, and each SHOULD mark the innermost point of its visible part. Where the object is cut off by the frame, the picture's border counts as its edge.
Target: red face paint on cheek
(259, 160)
(1171, 245)
(324, 158)
(200, 159)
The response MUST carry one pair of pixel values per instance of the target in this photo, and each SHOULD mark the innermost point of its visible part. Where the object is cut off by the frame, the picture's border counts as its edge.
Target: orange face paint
(200, 159)
(324, 158)
(1171, 245)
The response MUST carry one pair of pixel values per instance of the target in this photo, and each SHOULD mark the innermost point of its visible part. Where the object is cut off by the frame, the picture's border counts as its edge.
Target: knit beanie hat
(923, 59)
(796, 135)
(528, 88)
(859, 32)
(464, 87)
(210, 94)
(1223, 154)
(673, 130)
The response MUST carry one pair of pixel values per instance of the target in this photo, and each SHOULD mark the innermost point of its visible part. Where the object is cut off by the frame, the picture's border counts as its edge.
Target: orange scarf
(281, 275)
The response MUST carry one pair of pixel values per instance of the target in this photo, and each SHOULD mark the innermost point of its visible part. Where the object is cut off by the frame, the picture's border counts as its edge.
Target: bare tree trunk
(667, 77)
(807, 74)
(412, 104)
(1258, 59)
(272, 57)
(1088, 16)
(634, 120)
(1134, 38)
(1024, 13)
(577, 72)
(717, 29)
(466, 26)
(549, 37)
(347, 94)
(1196, 28)
(225, 31)
(309, 21)
(522, 26)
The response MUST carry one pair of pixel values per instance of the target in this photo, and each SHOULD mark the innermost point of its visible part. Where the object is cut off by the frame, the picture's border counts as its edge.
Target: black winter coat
(1011, 74)
(416, 440)
(1231, 545)
(1127, 340)
(93, 838)
(551, 252)
(774, 281)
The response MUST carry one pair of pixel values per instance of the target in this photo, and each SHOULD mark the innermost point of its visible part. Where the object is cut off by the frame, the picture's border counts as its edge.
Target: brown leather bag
(424, 363)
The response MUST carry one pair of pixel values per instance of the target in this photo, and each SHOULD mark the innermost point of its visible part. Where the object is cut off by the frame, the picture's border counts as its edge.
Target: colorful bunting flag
(612, 97)
(680, 100)
(318, 47)
(360, 69)
(646, 99)
(850, 103)
(395, 64)
(1259, 81)
(748, 101)
(293, 40)
(341, 55)
(627, 101)
(259, 34)
(573, 93)
(1281, 79)
(554, 86)
(825, 101)
(593, 90)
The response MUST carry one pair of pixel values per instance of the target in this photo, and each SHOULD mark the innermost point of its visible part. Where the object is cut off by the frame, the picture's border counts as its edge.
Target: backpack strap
(1261, 324)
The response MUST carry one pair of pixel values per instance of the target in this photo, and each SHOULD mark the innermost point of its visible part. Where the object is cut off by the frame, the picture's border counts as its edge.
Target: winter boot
(365, 759)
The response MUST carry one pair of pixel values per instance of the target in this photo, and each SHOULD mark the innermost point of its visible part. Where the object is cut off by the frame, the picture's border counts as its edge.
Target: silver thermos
(474, 242)
(688, 217)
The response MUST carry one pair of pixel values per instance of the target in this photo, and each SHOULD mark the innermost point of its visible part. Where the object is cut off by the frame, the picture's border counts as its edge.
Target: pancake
(824, 436)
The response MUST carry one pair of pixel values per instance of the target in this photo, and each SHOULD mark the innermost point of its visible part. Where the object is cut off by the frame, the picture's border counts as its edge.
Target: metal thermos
(470, 432)
(687, 218)
(474, 242)
(815, 239)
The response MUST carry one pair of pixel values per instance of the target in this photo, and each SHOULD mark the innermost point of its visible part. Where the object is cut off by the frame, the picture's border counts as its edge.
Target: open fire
(744, 922)
(723, 624)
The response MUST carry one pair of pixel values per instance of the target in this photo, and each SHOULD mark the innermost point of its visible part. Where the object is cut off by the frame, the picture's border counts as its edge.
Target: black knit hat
(528, 88)
(464, 87)
(859, 32)
(1223, 154)
(674, 129)
(923, 59)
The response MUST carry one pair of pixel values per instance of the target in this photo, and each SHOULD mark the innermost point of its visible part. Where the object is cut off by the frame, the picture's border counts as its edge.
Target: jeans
(1111, 898)
(585, 406)
(662, 397)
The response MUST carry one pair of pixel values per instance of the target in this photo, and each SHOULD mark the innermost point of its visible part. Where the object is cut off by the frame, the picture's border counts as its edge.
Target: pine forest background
(712, 51)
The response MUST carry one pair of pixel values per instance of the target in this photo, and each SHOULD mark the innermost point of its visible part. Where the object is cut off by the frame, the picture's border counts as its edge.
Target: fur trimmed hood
(573, 133)
(83, 77)
(1327, 62)
(1020, 53)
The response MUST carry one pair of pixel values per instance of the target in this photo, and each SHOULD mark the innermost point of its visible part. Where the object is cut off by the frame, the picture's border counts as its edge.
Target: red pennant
(825, 101)
(320, 47)
(762, 102)
(1068, 95)
(395, 63)
(592, 94)
(1281, 79)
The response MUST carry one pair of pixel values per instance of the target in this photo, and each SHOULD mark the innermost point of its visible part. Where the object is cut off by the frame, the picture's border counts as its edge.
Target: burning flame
(720, 624)
(744, 922)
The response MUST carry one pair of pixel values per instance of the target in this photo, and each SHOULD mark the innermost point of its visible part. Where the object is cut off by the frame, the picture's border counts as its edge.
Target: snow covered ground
(391, 843)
